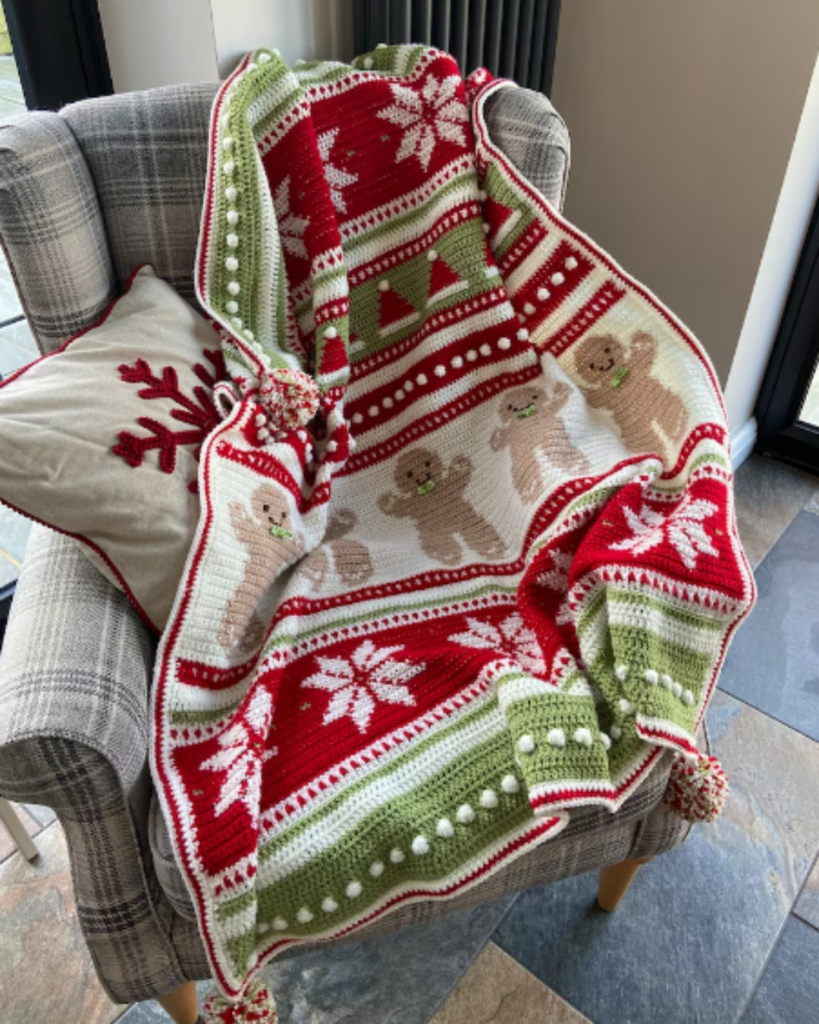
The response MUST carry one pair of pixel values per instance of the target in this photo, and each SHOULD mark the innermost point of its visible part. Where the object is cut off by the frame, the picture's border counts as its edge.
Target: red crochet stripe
(604, 299)
(452, 410)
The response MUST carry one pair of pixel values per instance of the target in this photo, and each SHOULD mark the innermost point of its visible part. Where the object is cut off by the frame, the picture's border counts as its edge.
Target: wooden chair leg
(181, 1005)
(615, 880)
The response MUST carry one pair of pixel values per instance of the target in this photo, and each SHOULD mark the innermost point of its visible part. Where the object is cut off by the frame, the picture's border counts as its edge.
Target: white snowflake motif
(512, 638)
(557, 578)
(336, 178)
(243, 755)
(291, 227)
(371, 674)
(683, 528)
(431, 116)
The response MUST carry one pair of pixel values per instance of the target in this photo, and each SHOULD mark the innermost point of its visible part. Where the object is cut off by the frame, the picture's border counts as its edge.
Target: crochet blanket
(467, 556)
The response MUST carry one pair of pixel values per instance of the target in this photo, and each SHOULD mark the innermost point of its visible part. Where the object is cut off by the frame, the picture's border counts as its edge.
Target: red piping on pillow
(77, 536)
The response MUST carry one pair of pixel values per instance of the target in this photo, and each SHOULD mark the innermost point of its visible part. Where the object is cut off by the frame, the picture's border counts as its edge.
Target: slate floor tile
(400, 978)
(789, 990)
(497, 990)
(691, 937)
(807, 906)
(768, 495)
(774, 663)
(46, 972)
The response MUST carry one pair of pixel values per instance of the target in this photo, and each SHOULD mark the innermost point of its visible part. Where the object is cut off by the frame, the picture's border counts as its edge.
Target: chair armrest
(529, 130)
(52, 228)
(76, 665)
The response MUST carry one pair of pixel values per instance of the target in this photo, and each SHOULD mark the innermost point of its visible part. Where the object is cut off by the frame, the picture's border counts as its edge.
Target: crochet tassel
(256, 1007)
(696, 792)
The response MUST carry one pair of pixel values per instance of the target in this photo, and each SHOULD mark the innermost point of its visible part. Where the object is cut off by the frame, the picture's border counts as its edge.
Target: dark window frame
(795, 356)
(60, 51)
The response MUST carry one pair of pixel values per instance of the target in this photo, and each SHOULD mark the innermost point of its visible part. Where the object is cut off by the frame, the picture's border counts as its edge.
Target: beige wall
(682, 117)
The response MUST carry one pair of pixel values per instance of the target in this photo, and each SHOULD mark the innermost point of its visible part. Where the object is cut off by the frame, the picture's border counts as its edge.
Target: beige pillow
(100, 439)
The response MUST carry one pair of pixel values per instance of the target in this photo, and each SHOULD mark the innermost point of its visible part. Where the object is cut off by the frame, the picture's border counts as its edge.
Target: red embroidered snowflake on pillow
(198, 412)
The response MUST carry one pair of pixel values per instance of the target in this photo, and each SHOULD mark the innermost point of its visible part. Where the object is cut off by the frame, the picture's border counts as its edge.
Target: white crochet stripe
(425, 405)
(312, 840)
(461, 881)
(404, 208)
(571, 306)
(259, 109)
(448, 292)
(506, 229)
(510, 691)
(237, 925)
(442, 342)
(661, 725)
(272, 263)
(399, 325)
(413, 230)
(629, 778)
(306, 633)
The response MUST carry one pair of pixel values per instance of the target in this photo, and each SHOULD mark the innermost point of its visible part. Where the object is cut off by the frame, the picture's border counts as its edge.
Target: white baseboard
(742, 442)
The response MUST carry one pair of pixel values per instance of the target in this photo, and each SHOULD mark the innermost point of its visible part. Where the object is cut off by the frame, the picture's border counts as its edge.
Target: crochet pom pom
(290, 397)
(256, 1006)
(696, 792)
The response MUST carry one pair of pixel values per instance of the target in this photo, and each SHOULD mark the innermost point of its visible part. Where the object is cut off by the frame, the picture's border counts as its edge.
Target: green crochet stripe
(288, 639)
(411, 281)
(496, 185)
(201, 717)
(484, 715)
(245, 178)
(399, 229)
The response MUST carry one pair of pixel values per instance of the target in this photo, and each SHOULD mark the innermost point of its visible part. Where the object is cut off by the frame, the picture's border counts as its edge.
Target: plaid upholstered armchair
(86, 195)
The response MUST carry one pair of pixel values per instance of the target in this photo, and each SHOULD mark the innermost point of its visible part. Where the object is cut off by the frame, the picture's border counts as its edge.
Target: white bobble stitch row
(485, 350)
(279, 924)
(232, 240)
(231, 193)
(331, 333)
(504, 343)
(556, 738)
(231, 264)
(377, 869)
(543, 294)
(445, 828)
(368, 63)
(571, 263)
(471, 355)
(353, 890)
(621, 671)
(432, 255)
(228, 142)
(626, 706)
(583, 737)
(304, 916)
(440, 370)
(420, 846)
(387, 402)
(421, 380)
(232, 307)
(228, 168)
(509, 784)
(232, 217)
(234, 287)
(465, 814)
(558, 278)
(384, 286)
(676, 690)
(688, 698)
(264, 58)
(523, 334)
(457, 362)
(651, 676)
(528, 309)
(489, 799)
(397, 856)
(526, 744)
(605, 740)
(615, 732)
(329, 905)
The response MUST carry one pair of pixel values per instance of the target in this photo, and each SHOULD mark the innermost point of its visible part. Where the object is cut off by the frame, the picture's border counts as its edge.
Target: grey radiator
(513, 38)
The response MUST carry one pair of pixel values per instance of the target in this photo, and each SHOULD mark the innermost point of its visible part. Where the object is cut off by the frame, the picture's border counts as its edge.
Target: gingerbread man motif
(272, 543)
(349, 558)
(530, 424)
(621, 381)
(433, 497)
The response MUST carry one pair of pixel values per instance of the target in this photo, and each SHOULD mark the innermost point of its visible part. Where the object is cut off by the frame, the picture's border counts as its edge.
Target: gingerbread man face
(419, 471)
(522, 404)
(270, 509)
(599, 359)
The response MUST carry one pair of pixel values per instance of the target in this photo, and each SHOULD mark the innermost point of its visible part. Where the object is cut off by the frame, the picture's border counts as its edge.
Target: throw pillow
(100, 440)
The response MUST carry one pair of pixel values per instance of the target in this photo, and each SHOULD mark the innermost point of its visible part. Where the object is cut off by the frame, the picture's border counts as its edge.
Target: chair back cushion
(147, 154)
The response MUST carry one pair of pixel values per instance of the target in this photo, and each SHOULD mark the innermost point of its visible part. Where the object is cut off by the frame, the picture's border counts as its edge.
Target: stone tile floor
(12, 101)
(724, 930)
